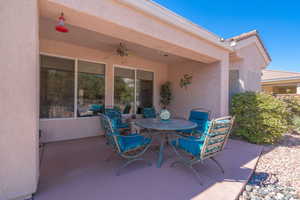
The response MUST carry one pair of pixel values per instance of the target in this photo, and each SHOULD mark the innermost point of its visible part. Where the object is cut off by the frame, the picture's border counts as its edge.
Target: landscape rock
(277, 173)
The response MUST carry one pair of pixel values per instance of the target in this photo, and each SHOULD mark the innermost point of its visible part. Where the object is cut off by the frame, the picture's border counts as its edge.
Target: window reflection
(124, 85)
(133, 90)
(56, 87)
(144, 90)
(91, 88)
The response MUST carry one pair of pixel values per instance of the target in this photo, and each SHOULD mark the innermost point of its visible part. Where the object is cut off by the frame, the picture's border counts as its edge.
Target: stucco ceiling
(91, 39)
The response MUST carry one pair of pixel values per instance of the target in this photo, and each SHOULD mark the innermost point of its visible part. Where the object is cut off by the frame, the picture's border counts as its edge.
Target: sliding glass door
(133, 90)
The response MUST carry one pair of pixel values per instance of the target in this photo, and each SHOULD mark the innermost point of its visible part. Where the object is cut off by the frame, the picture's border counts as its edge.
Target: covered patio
(88, 53)
(78, 170)
(56, 78)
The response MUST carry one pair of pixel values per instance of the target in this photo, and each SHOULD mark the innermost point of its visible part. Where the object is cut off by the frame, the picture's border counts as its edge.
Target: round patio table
(164, 127)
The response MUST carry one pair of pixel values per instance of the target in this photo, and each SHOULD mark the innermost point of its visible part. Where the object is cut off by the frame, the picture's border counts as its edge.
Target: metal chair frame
(204, 154)
(113, 137)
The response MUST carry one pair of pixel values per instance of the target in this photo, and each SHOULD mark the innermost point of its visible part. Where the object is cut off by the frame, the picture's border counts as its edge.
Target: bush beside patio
(264, 119)
(260, 118)
(293, 109)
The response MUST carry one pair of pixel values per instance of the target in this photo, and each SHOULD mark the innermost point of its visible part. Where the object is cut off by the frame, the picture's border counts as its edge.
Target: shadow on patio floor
(77, 170)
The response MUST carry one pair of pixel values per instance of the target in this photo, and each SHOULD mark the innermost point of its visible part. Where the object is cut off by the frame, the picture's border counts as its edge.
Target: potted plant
(165, 100)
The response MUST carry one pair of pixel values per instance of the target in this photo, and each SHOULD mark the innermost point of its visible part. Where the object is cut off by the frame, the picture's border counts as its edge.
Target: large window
(91, 90)
(65, 89)
(133, 90)
(57, 87)
(124, 89)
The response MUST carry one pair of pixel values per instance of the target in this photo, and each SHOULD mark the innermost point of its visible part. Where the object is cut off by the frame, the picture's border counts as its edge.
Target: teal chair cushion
(194, 147)
(123, 125)
(149, 113)
(116, 118)
(200, 131)
(96, 108)
(190, 146)
(129, 143)
(117, 124)
(200, 118)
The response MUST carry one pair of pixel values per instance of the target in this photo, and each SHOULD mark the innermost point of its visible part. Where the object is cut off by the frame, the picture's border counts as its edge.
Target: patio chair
(116, 117)
(200, 116)
(149, 112)
(96, 108)
(127, 109)
(192, 150)
(130, 147)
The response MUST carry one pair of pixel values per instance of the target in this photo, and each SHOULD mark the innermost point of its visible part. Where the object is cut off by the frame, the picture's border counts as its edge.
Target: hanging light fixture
(122, 50)
(60, 27)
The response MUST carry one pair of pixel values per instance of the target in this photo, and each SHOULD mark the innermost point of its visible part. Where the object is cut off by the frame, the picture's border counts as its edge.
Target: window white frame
(75, 59)
(135, 76)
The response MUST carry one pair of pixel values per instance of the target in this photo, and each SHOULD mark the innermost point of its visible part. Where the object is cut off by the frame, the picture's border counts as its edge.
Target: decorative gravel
(277, 175)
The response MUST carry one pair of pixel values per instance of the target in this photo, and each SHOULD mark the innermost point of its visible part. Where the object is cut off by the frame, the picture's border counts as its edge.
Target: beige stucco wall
(250, 67)
(208, 89)
(63, 129)
(19, 71)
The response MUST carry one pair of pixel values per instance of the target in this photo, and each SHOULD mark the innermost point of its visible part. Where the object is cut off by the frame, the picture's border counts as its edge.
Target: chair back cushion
(216, 136)
(200, 118)
(96, 108)
(149, 112)
(115, 116)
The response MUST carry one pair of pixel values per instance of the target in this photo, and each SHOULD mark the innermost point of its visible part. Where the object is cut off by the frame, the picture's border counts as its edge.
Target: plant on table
(165, 100)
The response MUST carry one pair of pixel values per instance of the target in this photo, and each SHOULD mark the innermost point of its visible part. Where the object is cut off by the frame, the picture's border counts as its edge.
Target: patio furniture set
(193, 140)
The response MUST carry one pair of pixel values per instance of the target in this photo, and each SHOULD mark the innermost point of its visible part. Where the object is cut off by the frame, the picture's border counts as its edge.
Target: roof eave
(261, 45)
(166, 15)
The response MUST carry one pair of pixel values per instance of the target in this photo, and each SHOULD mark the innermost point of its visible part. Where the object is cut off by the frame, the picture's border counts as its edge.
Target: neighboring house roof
(249, 34)
(276, 75)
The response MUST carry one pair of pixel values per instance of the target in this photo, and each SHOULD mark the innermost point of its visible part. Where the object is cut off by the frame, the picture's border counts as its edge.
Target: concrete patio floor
(77, 170)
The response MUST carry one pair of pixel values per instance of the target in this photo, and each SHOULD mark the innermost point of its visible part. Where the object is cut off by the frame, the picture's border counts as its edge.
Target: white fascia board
(170, 17)
(281, 79)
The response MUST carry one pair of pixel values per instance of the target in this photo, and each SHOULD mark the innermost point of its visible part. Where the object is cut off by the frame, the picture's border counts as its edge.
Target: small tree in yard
(165, 94)
(260, 118)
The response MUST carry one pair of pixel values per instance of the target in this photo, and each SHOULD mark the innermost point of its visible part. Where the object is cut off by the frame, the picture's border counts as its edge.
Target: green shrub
(260, 118)
(296, 121)
(293, 109)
